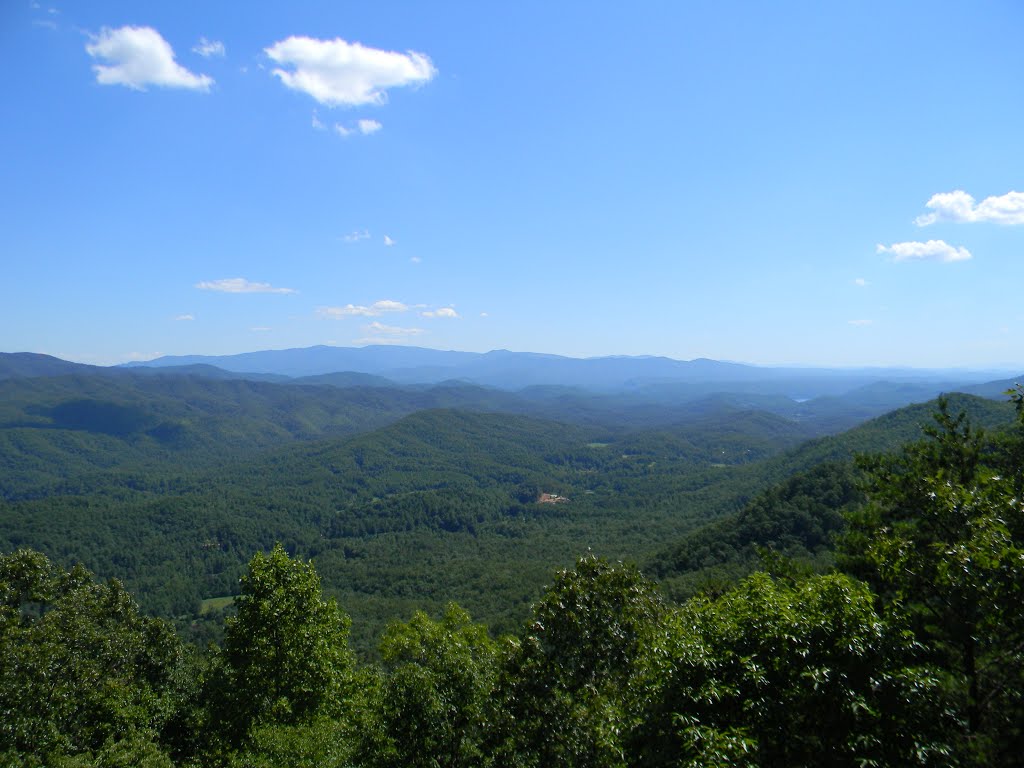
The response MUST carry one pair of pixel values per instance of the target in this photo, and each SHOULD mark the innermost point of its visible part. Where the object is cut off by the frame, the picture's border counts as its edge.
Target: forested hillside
(454, 501)
(908, 654)
(170, 480)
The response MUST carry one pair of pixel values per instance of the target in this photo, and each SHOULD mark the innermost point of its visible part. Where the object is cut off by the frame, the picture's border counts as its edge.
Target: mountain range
(516, 370)
(415, 476)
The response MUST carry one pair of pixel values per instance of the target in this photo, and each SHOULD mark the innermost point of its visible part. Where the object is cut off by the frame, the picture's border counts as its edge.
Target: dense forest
(732, 585)
(406, 497)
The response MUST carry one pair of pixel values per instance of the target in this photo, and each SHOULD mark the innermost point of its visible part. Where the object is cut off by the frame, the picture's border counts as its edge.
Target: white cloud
(447, 312)
(376, 340)
(859, 322)
(958, 206)
(386, 305)
(355, 237)
(388, 241)
(349, 310)
(354, 310)
(317, 122)
(207, 48)
(415, 259)
(339, 73)
(378, 333)
(261, 328)
(185, 317)
(391, 330)
(364, 127)
(933, 250)
(240, 285)
(860, 282)
(484, 314)
(138, 57)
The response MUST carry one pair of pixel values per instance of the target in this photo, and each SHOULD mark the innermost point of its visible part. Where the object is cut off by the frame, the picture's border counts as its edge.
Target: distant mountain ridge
(517, 370)
(613, 391)
(170, 475)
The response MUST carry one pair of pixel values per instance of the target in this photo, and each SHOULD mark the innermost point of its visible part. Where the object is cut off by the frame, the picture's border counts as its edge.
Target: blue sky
(810, 183)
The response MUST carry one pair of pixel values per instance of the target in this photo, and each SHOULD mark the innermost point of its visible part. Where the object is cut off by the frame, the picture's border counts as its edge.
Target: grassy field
(215, 604)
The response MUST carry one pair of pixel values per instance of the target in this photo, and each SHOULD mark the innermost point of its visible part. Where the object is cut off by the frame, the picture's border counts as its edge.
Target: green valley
(458, 500)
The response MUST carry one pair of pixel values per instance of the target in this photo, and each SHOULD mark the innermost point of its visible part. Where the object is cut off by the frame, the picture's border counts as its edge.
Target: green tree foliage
(570, 689)
(177, 511)
(942, 540)
(795, 674)
(320, 742)
(921, 666)
(796, 518)
(81, 671)
(434, 697)
(285, 657)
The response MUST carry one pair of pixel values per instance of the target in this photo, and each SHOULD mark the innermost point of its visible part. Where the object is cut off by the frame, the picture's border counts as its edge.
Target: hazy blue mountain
(595, 391)
(659, 377)
(313, 361)
(201, 370)
(344, 379)
(994, 389)
(27, 365)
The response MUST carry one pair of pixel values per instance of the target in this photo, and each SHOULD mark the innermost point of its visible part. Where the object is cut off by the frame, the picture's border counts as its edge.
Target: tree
(433, 701)
(942, 541)
(81, 671)
(568, 694)
(794, 673)
(285, 655)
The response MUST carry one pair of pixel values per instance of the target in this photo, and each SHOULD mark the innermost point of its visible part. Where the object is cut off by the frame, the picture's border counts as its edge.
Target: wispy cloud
(415, 259)
(47, 23)
(376, 327)
(386, 305)
(958, 206)
(388, 241)
(339, 73)
(240, 285)
(859, 323)
(933, 250)
(860, 282)
(378, 333)
(363, 127)
(354, 310)
(355, 237)
(185, 317)
(208, 48)
(441, 312)
(139, 57)
(317, 123)
(261, 328)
